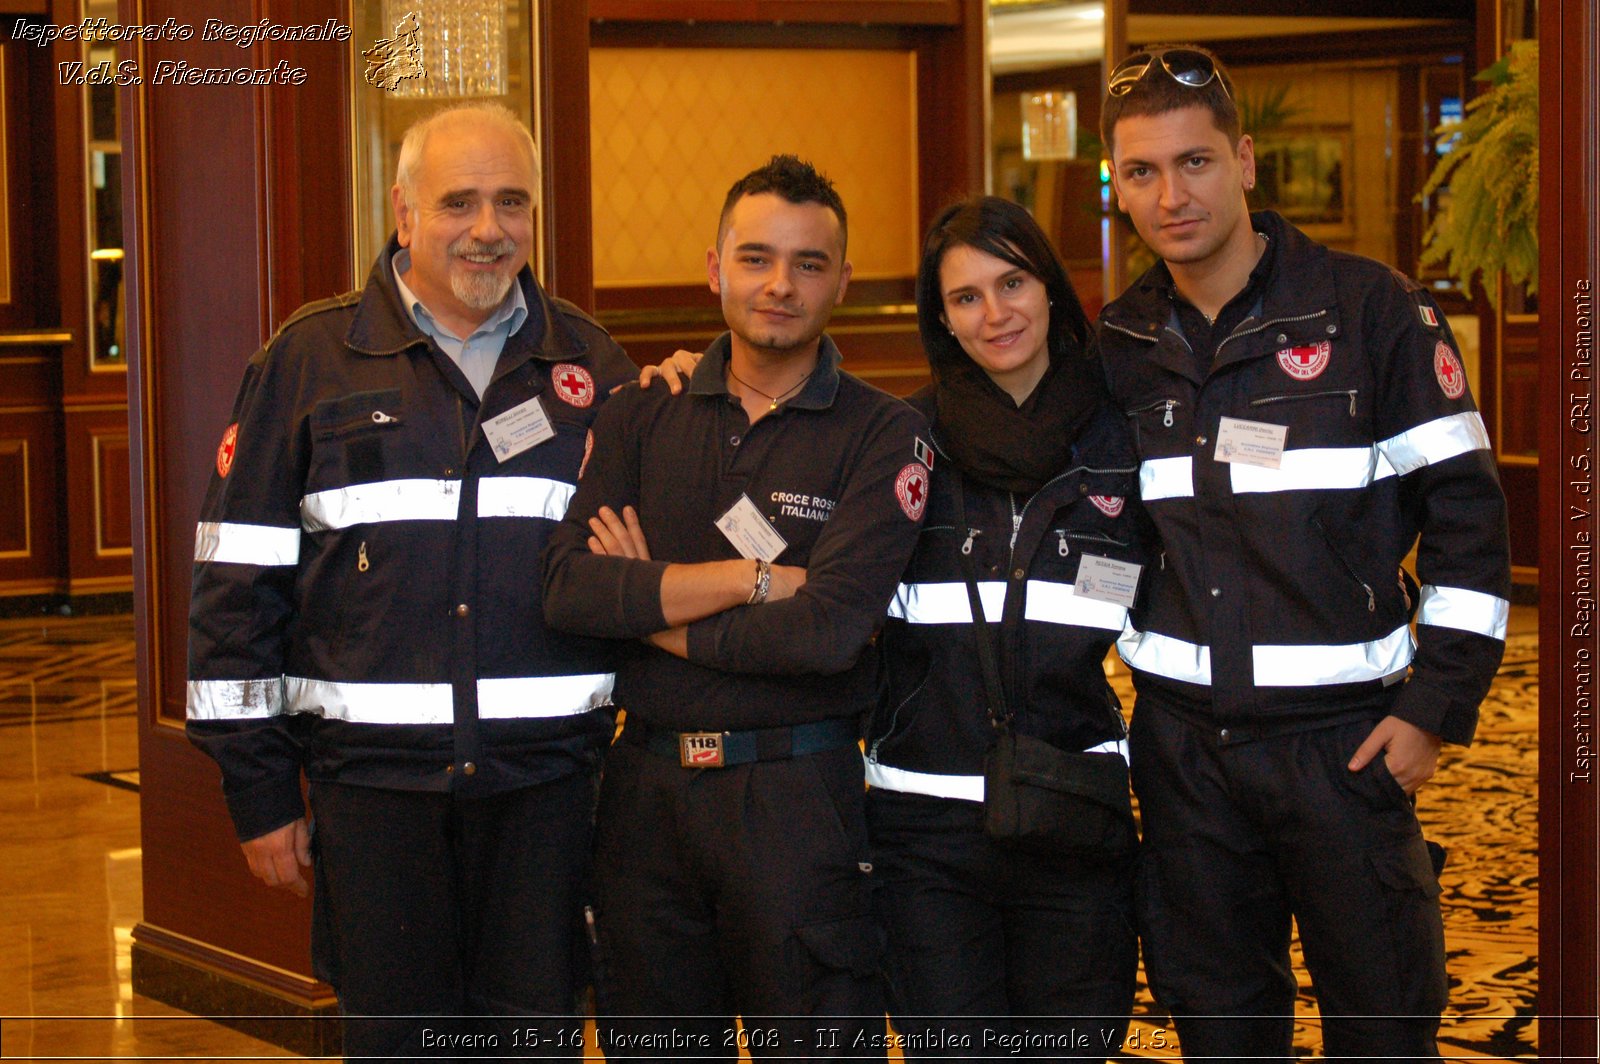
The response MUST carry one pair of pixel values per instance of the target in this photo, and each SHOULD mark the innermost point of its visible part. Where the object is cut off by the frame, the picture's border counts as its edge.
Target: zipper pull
(1167, 417)
(1372, 600)
(380, 418)
(1163, 561)
(362, 565)
(972, 533)
(1352, 402)
(1061, 547)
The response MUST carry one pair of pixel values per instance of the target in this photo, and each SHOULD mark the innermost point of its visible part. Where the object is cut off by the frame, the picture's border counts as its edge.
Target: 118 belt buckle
(700, 749)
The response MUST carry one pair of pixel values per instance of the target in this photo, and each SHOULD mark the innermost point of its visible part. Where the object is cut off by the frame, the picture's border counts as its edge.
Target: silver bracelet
(758, 594)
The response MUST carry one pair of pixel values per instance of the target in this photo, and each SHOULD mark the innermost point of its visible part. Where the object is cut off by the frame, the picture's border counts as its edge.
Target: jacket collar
(1300, 284)
(382, 327)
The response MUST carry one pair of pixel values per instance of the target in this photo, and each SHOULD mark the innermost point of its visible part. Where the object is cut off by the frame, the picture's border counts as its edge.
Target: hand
(1411, 754)
(618, 537)
(786, 580)
(674, 372)
(277, 857)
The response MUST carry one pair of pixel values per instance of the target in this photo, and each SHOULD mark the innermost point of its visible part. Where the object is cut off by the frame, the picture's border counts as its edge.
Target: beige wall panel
(672, 128)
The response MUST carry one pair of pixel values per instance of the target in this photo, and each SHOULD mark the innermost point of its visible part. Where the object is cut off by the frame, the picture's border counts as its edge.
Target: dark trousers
(735, 891)
(1240, 836)
(995, 953)
(431, 908)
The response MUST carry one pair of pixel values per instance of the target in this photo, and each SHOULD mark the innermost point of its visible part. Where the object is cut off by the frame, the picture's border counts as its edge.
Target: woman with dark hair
(996, 945)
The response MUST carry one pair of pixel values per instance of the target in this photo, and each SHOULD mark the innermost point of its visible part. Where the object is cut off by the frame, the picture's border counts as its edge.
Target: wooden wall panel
(16, 519)
(1569, 631)
(30, 544)
(95, 493)
(240, 211)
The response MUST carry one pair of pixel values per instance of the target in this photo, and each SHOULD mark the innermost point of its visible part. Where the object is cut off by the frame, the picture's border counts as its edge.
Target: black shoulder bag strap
(994, 691)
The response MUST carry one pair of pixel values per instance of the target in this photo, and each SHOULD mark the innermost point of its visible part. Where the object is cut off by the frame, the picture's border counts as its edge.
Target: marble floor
(70, 864)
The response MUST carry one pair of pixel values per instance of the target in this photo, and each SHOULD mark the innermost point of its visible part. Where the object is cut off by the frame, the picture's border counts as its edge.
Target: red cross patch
(1305, 363)
(911, 488)
(1447, 367)
(230, 439)
(573, 384)
(1110, 505)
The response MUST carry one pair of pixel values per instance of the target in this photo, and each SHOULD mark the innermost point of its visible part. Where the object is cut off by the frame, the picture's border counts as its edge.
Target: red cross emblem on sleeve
(230, 440)
(1447, 367)
(911, 488)
(572, 384)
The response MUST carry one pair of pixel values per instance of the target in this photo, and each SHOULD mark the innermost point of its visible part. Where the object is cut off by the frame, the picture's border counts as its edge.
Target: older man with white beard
(367, 612)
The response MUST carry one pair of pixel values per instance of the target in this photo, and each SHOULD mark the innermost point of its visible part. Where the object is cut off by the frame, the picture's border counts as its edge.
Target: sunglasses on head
(1187, 67)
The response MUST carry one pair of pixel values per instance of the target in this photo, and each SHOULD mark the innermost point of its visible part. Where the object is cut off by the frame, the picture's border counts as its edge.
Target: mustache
(469, 246)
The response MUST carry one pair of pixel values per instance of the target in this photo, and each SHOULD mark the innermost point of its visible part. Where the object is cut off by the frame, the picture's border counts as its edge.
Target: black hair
(1007, 231)
(792, 178)
(1157, 92)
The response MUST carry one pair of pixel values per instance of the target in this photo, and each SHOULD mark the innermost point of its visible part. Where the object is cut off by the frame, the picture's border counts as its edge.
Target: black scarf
(1008, 447)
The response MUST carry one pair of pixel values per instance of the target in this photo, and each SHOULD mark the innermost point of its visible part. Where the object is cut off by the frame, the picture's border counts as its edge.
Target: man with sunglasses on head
(1302, 417)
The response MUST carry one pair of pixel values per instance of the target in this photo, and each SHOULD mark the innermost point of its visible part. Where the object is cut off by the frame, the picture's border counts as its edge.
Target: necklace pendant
(774, 405)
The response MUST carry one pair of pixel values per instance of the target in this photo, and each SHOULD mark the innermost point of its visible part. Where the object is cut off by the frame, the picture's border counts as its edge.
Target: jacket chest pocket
(1315, 417)
(1063, 548)
(1157, 422)
(354, 438)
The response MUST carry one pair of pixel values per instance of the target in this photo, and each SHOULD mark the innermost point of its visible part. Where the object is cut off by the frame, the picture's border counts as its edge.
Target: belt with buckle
(721, 749)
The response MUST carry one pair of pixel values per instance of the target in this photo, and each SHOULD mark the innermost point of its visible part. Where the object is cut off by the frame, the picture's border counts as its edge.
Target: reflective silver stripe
(946, 603)
(1313, 469)
(1313, 666)
(1272, 665)
(1166, 478)
(967, 788)
(222, 541)
(1436, 441)
(371, 703)
(1048, 601)
(385, 500)
(544, 696)
(1055, 603)
(235, 699)
(523, 497)
(1164, 655)
(433, 703)
(1111, 746)
(1470, 611)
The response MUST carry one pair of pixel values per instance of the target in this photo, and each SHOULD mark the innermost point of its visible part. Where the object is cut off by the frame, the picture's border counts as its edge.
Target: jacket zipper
(1372, 599)
(1351, 392)
(1165, 405)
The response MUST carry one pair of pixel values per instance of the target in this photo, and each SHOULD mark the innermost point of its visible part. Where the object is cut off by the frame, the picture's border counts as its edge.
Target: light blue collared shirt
(478, 354)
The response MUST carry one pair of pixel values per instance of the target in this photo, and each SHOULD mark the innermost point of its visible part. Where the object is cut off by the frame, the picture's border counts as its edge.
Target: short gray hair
(416, 138)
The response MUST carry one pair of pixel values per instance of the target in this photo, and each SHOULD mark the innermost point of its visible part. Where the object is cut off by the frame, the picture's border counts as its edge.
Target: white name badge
(523, 426)
(751, 534)
(1107, 580)
(1251, 442)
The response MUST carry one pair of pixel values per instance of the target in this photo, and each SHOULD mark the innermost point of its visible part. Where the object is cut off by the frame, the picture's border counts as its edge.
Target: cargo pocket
(1413, 926)
(840, 962)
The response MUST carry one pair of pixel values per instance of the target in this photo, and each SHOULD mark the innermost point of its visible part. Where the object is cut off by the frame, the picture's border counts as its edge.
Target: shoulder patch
(225, 449)
(572, 384)
(911, 489)
(1447, 368)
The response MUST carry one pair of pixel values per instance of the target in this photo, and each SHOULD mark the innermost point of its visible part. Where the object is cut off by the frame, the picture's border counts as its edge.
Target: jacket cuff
(1436, 712)
(267, 806)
